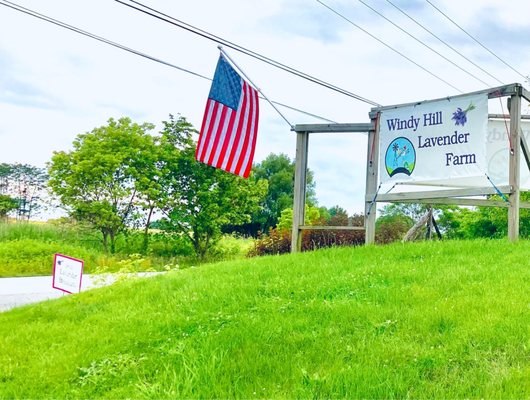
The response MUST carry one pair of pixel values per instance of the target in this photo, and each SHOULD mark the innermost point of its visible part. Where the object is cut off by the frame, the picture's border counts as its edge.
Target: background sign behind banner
(498, 152)
(67, 273)
(434, 141)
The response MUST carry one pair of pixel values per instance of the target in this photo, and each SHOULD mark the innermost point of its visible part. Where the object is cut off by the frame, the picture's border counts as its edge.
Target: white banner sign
(67, 273)
(434, 141)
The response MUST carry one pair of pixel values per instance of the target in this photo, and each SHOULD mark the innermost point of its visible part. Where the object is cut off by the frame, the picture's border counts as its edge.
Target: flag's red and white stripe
(228, 137)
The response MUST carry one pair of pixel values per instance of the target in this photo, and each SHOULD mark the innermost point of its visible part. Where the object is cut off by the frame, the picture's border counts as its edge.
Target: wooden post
(372, 170)
(514, 166)
(300, 182)
(415, 230)
(429, 224)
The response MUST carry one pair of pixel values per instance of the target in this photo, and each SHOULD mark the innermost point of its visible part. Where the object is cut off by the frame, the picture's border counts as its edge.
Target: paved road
(15, 292)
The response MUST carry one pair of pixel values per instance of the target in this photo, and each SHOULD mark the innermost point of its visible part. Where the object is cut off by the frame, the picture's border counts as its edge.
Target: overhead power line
(476, 41)
(388, 46)
(423, 43)
(91, 35)
(72, 28)
(444, 42)
(207, 35)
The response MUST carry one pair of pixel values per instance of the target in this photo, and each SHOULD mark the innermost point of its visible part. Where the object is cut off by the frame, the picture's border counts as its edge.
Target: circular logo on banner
(400, 157)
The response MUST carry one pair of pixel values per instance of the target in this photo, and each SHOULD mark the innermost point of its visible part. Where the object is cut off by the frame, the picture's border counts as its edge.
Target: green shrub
(162, 244)
(230, 247)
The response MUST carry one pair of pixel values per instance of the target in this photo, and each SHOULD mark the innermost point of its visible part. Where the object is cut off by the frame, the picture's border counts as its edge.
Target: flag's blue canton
(226, 86)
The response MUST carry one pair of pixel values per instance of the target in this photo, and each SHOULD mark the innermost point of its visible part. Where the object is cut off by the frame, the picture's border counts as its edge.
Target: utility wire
(227, 56)
(72, 28)
(387, 45)
(190, 28)
(474, 39)
(301, 111)
(444, 42)
(423, 43)
(93, 36)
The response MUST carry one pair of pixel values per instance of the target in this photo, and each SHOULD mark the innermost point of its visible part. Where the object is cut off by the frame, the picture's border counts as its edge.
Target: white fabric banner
(434, 141)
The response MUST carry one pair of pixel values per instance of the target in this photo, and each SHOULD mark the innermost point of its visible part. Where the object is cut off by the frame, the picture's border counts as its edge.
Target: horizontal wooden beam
(335, 128)
(429, 184)
(331, 228)
(500, 91)
(525, 93)
(456, 201)
(436, 194)
(505, 116)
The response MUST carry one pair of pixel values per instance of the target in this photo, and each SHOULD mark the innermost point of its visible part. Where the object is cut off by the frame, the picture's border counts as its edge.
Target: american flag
(230, 125)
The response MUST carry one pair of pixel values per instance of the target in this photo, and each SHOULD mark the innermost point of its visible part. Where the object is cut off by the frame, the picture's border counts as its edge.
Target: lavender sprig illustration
(460, 116)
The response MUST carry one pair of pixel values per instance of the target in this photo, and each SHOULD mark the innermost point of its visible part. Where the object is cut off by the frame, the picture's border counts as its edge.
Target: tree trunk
(105, 241)
(145, 244)
(112, 236)
(200, 250)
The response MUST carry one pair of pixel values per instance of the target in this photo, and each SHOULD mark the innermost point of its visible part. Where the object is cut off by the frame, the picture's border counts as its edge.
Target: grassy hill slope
(426, 320)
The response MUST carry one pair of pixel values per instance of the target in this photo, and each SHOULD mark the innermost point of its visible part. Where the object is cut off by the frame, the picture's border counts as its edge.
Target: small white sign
(67, 273)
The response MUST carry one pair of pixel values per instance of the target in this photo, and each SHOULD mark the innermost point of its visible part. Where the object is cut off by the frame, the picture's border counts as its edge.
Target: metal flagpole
(259, 90)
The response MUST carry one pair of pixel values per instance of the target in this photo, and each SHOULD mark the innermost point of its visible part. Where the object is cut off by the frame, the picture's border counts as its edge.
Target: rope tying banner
(503, 196)
(506, 124)
(373, 200)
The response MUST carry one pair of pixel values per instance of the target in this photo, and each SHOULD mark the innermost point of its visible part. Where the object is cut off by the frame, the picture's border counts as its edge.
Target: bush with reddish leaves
(318, 239)
(392, 228)
(278, 241)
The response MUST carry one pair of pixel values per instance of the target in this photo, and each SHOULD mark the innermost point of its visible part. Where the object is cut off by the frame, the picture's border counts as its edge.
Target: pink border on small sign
(55, 266)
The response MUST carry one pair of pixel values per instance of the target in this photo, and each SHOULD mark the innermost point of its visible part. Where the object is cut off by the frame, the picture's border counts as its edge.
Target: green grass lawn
(425, 320)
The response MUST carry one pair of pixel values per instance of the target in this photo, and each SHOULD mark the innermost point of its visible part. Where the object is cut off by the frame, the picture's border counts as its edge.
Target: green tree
(278, 171)
(98, 181)
(337, 216)
(151, 183)
(411, 210)
(483, 222)
(199, 200)
(5, 172)
(396, 219)
(26, 185)
(312, 217)
(7, 204)
(392, 227)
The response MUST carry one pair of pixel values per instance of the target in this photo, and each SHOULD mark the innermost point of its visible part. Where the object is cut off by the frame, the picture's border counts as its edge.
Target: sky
(56, 84)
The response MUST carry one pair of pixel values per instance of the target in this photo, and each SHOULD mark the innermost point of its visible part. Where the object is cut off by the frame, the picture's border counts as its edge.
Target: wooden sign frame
(458, 196)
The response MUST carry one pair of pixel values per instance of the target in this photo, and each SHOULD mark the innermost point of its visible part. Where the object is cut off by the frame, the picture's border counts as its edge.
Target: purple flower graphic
(460, 116)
